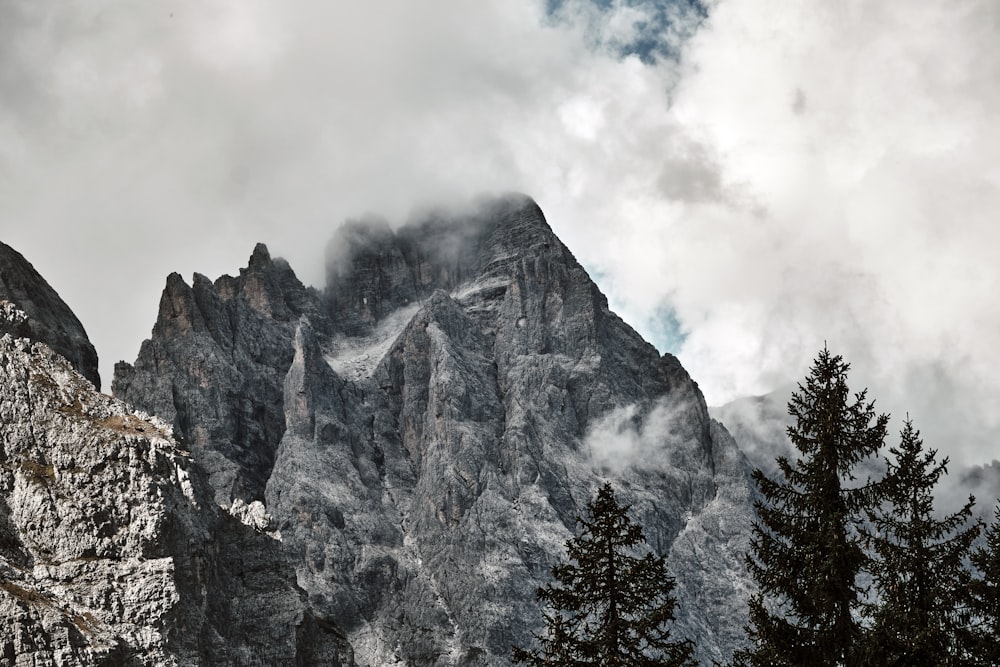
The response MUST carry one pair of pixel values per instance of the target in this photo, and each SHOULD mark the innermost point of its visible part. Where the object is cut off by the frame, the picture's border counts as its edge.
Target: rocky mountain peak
(112, 551)
(260, 258)
(424, 432)
(387, 469)
(372, 270)
(48, 319)
(231, 341)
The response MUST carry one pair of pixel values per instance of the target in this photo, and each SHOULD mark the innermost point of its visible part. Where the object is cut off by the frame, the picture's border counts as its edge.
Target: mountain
(378, 473)
(420, 432)
(32, 309)
(111, 549)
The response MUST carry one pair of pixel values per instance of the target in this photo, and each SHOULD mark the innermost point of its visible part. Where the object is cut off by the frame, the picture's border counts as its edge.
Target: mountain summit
(425, 430)
(111, 549)
(388, 467)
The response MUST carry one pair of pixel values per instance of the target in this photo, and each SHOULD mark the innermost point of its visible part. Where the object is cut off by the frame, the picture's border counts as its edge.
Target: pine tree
(609, 607)
(920, 617)
(806, 553)
(986, 596)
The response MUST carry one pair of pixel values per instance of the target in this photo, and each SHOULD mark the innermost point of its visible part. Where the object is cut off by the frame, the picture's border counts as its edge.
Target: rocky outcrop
(111, 549)
(44, 316)
(425, 433)
(215, 368)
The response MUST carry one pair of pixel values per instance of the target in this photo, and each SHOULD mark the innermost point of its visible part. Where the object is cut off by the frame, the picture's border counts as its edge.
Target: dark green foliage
(609, 608)
(986, 597)
(806, 552)
(920, 575)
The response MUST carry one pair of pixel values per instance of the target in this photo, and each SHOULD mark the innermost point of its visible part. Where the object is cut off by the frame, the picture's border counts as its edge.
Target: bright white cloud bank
(868, 136)
(808, 172)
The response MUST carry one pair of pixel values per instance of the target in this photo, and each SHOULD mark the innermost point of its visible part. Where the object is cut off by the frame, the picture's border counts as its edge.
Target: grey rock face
(111, 549)
(48, 319)
(215, 368)
(447, 408)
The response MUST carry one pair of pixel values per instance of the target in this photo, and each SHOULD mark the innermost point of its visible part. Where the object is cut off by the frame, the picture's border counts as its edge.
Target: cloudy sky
(744, 178)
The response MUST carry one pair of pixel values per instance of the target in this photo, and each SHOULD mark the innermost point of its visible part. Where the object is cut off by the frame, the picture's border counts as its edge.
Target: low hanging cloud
(763, 177)
(653, 436)
(851, 198)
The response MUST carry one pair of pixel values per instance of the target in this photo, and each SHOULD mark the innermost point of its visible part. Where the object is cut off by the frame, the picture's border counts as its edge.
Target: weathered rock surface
(45, 317)
(425, 432)
(215, 368)
(111, 549)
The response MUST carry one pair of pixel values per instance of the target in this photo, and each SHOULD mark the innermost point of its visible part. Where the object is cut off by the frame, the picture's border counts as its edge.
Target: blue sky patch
(668, 24)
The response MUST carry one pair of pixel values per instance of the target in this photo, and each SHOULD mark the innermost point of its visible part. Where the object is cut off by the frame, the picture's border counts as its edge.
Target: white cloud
(651, 437)
(866, 136)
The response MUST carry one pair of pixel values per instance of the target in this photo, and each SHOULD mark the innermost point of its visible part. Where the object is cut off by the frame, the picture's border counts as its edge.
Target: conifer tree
(986, 597)
(608, 607)
(806, 553)
(920, 616)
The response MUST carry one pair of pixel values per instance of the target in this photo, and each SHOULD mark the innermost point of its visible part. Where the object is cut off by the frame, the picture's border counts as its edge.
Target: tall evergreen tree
(609, 607)
(986, 597)
(920, 616)
(806, 552)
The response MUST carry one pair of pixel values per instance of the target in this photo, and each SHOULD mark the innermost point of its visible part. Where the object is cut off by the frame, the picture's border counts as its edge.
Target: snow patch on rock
(355, 357)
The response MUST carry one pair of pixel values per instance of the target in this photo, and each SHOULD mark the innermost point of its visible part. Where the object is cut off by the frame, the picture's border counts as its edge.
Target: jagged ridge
(422, 432)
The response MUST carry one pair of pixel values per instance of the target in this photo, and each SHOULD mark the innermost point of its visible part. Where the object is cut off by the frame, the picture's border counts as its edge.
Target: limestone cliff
(424, 432)
(111, 549)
